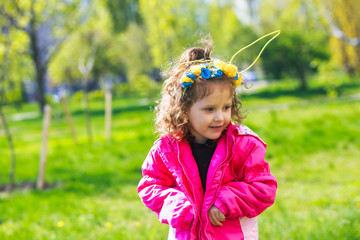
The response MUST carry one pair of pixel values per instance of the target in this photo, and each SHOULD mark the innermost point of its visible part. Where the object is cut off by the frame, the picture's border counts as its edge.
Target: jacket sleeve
(255, 189)
(159, 193)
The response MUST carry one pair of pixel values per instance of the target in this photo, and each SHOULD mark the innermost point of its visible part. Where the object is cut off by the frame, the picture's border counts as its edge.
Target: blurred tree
(294, 54)
(232, 35)
(130, 31)
(46, 24)
(343, 20)
(19, 62)
(302, 43)
(96, 33)
(113, 38)
(122, 13)
(171, 26)
(138, 60)
(6, 43)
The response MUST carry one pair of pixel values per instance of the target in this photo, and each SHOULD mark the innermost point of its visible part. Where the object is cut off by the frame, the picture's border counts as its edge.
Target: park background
(78, 56)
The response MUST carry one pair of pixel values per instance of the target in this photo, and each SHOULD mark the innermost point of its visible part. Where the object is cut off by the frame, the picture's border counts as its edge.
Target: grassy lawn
(313, 150)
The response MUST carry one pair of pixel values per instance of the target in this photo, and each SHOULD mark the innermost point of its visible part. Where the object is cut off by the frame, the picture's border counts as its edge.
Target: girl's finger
(213, 219)
(220, 216)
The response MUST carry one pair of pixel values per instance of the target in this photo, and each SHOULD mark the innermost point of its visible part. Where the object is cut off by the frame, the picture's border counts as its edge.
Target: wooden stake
(108, 97)
(87, 116)
(46, 124)
(69, 118)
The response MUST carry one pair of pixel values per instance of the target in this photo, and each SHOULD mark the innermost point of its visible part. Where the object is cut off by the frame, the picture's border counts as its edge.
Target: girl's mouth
(216, 127)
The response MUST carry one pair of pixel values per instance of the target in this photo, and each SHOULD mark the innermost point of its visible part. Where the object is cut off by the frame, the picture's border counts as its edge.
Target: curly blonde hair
(173, 107)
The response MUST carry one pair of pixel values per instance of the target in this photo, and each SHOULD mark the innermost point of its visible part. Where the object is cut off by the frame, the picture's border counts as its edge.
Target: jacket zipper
(218, 188)
(192, 189)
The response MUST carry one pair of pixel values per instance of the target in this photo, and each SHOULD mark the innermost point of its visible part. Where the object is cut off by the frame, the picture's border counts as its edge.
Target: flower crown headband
(215, 68)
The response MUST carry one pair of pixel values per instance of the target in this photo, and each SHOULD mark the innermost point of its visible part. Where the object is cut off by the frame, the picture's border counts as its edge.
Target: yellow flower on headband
(238, 81)
(228, 69)
(196, 69)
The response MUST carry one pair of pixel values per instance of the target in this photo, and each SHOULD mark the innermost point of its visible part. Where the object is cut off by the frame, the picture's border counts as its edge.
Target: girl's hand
(216, 216)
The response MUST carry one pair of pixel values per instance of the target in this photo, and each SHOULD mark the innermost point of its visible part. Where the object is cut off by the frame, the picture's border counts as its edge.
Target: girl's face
(212, 114)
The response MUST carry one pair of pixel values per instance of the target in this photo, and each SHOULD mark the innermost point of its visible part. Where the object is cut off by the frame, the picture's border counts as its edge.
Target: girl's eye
(209, 109)
(227, 107)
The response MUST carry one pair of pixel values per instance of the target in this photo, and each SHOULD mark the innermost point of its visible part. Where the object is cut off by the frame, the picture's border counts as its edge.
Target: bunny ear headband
(215, 68)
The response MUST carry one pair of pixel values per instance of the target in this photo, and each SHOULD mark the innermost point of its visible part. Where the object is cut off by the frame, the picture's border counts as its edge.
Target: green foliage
(331, 78)
(123, 13)
(97, 95)
(171, 26)
(135, 52)
(19, 64)
(229, 34)
(133, 38)
(94, 35)
(45, 24)
(122, 89)
(12, 92)
(302, 42)
(78, 96)
(49, 99)
(294, 54)
(143, 85)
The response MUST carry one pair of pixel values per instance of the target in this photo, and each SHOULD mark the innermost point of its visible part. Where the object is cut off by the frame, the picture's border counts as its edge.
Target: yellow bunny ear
(277, 32)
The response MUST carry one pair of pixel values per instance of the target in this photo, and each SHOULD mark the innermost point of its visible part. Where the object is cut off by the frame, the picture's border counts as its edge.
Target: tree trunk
(40, 79)
(40, 66)
(303, 84)
(3, 119)
(11, 149)
(302, 78)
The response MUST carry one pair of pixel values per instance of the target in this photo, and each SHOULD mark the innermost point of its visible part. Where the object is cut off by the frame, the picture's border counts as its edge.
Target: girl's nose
(219, 117)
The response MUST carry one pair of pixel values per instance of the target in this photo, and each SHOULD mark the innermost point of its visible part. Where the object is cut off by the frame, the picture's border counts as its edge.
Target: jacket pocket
(230, 230)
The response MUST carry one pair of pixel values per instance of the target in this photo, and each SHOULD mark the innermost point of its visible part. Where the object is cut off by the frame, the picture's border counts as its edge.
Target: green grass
(313, 150)
(314, 153)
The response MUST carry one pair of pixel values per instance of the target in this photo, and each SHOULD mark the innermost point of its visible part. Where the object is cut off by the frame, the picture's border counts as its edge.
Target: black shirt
(203, 153)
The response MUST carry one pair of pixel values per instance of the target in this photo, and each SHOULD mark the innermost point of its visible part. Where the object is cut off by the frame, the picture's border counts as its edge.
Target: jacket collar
(235, 130)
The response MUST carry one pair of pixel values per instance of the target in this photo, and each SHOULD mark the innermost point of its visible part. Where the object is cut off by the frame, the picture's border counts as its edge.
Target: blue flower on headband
(205, 73)
(186, 84)
(190, 75)
(218, 73)
(236, 77)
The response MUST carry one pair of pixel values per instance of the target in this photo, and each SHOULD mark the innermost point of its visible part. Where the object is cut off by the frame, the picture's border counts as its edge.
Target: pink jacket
(239, 183)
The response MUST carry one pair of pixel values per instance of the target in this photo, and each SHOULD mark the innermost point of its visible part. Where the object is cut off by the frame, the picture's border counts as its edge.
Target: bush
(331, 79)
(97, 95)
(145, 86)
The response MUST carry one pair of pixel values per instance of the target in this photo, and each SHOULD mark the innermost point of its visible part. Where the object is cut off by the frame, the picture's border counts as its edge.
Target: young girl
(205, 176)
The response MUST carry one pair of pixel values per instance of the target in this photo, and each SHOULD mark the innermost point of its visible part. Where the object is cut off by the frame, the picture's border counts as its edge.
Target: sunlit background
(79, 80)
